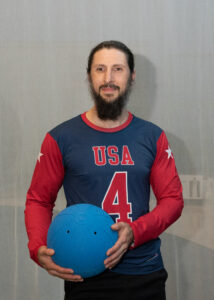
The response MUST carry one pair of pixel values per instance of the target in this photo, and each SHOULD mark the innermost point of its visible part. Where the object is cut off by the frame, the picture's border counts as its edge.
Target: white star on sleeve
(169, 152)
(40, 154)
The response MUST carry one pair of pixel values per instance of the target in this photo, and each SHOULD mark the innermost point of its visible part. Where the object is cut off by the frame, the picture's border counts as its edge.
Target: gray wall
(43, 52)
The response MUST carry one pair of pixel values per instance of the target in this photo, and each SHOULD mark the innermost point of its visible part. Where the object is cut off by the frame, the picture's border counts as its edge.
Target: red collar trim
(115, 129)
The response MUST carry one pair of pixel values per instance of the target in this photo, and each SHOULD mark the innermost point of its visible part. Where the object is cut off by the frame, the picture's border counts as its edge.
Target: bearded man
(121, 155)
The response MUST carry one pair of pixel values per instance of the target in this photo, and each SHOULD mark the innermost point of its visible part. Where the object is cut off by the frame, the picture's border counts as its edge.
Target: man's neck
(92, 116)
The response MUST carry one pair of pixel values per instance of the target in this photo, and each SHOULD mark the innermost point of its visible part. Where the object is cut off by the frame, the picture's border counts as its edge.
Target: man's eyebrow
(99, 65)
(118, 65)
(115, 65)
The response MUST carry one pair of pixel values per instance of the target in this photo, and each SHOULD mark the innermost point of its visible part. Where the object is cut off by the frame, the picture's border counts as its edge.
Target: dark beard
(110, 110)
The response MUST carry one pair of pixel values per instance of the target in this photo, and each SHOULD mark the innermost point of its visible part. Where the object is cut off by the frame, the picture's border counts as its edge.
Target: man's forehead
(109, 55)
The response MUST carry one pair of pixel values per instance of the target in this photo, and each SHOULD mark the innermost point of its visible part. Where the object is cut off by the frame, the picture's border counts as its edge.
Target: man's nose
(108, 76)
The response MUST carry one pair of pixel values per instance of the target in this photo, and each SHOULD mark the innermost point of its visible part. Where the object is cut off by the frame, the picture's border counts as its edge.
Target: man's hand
(45, 260)
(124, 241)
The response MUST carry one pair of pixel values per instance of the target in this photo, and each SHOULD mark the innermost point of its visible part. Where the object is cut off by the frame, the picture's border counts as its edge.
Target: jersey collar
(114, 129)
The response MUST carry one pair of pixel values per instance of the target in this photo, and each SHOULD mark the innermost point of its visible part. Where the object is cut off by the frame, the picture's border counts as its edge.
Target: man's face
(110, 82)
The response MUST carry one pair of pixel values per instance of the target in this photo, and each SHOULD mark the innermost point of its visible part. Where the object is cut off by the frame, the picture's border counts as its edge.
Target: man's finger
(116, 226)
(114, 261)
(115, 248)
(52, 266)
(115, 256)
(65, 276)
(50, 252)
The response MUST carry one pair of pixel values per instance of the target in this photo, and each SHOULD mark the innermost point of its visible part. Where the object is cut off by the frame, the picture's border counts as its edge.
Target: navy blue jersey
(113, 169)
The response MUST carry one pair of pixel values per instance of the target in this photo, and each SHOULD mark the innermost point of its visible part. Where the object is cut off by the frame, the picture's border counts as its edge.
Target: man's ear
(133, 75)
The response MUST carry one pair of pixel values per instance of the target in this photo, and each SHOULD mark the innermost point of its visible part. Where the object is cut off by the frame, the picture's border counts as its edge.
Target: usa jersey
(113, 169)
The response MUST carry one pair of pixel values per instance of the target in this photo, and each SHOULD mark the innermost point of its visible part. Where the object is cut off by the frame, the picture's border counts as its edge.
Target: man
(109, 158)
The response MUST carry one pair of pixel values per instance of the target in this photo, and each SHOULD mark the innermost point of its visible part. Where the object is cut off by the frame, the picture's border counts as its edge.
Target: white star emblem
(169, 152)
(40, 154)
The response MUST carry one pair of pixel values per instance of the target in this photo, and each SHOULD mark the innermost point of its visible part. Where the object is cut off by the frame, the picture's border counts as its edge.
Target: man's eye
(99, 69)
(118, 69)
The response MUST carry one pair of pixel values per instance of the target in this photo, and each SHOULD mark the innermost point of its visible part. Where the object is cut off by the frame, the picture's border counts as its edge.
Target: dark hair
(116, 45)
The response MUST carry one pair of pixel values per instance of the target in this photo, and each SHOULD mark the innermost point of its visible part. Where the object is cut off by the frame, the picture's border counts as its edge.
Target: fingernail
(80, 279)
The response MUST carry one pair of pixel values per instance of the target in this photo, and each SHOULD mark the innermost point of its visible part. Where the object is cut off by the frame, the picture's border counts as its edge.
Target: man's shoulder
(66, 127)
(147, 127)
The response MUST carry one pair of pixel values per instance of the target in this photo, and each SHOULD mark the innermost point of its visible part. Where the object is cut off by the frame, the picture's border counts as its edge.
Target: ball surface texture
(80, 235)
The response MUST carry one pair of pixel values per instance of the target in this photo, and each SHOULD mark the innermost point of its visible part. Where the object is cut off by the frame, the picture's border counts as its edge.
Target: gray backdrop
(44, 46)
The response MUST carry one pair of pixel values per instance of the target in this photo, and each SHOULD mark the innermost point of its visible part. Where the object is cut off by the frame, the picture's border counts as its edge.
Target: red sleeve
(167, 188)
(46, 182)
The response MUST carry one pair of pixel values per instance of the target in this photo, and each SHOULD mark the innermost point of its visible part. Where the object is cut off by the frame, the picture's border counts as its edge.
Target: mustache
(109, 85)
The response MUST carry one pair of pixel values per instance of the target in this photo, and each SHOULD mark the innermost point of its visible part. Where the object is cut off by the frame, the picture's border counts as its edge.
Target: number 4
(115, 201)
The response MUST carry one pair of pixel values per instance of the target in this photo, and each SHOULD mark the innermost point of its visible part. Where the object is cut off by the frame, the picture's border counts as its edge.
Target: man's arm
(46, 182)
(167, 188)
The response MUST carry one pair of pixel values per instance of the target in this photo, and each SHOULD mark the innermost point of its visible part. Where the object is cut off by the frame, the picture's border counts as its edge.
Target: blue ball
(80, 235)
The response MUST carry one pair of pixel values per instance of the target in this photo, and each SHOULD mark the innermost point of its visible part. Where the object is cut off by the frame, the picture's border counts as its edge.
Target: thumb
(50, 252)
(116, 226)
